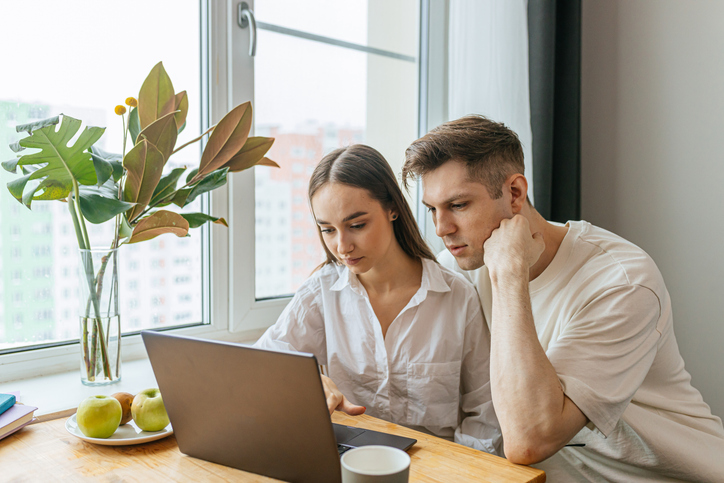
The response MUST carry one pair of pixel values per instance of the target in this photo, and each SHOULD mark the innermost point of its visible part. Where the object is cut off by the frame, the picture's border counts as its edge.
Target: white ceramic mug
(375, 464)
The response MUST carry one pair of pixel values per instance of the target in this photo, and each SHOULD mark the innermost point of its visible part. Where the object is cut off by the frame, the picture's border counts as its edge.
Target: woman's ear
(392, 215)
(518, 186)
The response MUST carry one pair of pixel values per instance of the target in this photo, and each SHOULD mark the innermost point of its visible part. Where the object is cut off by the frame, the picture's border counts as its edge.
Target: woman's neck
(397, 270)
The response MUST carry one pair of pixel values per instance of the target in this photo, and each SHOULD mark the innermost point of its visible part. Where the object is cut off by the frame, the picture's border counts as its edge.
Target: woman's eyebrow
(346, 218)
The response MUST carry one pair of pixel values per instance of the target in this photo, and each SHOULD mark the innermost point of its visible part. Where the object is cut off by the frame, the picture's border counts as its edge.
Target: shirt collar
(432, 278)
(345, 278)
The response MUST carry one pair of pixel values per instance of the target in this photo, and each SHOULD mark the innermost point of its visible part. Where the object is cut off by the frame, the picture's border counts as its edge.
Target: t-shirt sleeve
(605, 351)
(479, 427)
(300, 327)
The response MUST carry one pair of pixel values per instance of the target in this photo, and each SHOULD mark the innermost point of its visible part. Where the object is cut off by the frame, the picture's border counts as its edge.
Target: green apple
(99, 416)
(148, 410)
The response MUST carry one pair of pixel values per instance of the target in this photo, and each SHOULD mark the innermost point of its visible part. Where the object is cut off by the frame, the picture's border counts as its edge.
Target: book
(6, 402)
(15, 418)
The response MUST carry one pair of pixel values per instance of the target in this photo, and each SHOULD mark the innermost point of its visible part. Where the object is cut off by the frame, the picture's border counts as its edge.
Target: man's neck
(552, 236)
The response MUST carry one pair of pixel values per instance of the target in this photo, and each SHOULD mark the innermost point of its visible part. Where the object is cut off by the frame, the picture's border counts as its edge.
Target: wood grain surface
(46, 452)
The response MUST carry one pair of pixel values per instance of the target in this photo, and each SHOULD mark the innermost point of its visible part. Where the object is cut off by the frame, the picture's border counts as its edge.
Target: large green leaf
(166, 186)
(156, 97)
(209, 183)
(11, 165)
(227, 140)
(57, 163)
(34, 126)
(100, 204)
(159, 223)
(251, 153)
(162, 133)
(197, 219)
(104, 169)
(144, 165)
(114, 159)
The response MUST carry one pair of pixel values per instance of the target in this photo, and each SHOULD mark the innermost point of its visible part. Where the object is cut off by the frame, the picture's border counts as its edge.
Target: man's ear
(518, 187)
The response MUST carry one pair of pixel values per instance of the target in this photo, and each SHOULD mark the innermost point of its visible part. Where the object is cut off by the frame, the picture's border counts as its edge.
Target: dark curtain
(554, 46)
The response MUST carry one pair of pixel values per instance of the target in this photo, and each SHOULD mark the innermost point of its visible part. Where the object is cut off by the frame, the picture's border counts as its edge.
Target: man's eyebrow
(346, 218)
(449, 200)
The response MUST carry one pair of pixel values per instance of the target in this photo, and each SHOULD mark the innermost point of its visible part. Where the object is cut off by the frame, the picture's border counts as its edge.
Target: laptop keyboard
(342, 449)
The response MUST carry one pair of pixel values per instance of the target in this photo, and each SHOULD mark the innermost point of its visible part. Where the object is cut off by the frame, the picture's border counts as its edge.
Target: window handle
(244, 18)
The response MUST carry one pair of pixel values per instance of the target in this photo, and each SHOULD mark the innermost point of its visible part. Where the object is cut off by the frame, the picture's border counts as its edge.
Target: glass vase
(100, 322)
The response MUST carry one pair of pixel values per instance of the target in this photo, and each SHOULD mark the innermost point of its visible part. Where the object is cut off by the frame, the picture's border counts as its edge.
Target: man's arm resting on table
(537, 419)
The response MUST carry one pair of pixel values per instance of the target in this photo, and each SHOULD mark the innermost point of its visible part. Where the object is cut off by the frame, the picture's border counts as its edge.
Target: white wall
(653, 156)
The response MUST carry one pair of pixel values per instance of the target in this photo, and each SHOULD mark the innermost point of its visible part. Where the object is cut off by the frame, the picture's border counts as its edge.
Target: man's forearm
(527, 394)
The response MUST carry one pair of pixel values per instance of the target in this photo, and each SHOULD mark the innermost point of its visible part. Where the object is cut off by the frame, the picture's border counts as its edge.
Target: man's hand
(336, 400)
(512, 246)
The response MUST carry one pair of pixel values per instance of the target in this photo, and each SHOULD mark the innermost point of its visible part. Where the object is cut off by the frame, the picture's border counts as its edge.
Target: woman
(402, 337)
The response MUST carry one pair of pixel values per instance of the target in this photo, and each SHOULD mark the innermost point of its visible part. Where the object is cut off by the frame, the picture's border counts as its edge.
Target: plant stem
(192, 141)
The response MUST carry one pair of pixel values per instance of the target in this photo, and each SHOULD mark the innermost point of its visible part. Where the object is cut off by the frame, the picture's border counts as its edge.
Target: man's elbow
(527, 450)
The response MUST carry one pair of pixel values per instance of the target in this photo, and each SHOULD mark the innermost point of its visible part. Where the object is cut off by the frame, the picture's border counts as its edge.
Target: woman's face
(355, 227)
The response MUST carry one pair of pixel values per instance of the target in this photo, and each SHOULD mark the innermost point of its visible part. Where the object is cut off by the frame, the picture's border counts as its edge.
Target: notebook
(256, 410)
(6, 402)
(15, 418)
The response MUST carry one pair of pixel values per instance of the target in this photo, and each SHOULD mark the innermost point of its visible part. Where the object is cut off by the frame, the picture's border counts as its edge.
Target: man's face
(463, 212)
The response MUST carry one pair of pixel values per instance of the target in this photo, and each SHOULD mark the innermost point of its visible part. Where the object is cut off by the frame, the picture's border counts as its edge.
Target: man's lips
(456, 249)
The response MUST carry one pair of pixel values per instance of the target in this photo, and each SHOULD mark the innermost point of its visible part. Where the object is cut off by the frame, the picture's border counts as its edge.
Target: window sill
(58, 395)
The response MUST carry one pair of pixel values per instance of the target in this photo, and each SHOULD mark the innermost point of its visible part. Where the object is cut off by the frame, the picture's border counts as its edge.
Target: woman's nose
(344, 245)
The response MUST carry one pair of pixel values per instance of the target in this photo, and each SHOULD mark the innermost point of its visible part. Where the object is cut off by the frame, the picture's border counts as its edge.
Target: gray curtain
(554, 38)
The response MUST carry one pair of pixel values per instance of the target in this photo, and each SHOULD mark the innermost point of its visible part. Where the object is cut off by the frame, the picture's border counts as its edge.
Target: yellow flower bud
(131, 101)
(120, 110)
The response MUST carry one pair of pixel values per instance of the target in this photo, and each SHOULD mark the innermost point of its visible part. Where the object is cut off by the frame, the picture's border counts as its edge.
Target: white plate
(129, 433)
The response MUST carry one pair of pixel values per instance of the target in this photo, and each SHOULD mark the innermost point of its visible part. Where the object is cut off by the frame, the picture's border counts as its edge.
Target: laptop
(256, 410)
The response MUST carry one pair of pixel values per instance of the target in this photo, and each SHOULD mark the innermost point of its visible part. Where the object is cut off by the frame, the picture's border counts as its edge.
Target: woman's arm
(300, 328)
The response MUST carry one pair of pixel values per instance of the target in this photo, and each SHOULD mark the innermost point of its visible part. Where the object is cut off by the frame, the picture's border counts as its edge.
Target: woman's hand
(336, 400)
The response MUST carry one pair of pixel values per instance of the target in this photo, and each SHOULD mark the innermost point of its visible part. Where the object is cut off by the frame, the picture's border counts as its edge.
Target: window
(40, 249)
(364, 56)
(318, 82)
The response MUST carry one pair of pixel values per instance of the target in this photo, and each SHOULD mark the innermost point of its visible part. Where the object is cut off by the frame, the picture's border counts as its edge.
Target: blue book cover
(6, 402)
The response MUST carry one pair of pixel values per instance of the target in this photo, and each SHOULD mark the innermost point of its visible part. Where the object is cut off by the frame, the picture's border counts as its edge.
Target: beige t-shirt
(603, 316)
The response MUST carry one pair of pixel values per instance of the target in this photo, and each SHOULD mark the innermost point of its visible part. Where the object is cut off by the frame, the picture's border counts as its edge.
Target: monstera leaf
(56, 166)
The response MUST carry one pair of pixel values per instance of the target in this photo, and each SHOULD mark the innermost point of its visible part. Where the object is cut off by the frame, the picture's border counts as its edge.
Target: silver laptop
(256, 410)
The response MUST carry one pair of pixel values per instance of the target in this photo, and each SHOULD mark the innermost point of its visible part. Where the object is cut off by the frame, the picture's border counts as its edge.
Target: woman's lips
(352, 261)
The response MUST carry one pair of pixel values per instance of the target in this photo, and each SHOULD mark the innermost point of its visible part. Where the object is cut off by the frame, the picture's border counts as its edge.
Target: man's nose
(443, 225)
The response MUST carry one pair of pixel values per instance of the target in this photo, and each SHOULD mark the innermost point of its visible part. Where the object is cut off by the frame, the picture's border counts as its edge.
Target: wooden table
(47, 452)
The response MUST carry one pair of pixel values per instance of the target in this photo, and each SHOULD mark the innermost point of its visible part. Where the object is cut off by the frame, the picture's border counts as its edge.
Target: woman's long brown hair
(363, 167)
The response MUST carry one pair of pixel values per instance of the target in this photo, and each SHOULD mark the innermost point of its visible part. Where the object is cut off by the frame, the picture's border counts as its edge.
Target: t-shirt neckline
(561, 258)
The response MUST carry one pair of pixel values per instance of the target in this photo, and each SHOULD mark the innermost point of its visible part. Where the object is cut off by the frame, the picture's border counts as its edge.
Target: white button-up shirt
(431, 372)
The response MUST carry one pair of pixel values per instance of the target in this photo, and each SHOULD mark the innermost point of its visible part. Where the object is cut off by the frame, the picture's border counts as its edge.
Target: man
(586, 376)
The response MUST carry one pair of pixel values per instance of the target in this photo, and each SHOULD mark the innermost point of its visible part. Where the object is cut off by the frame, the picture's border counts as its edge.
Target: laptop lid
(251, 409)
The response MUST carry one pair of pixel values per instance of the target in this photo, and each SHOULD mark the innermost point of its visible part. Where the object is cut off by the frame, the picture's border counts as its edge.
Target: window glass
(83, 58)
(315, 96)
(371, 23)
